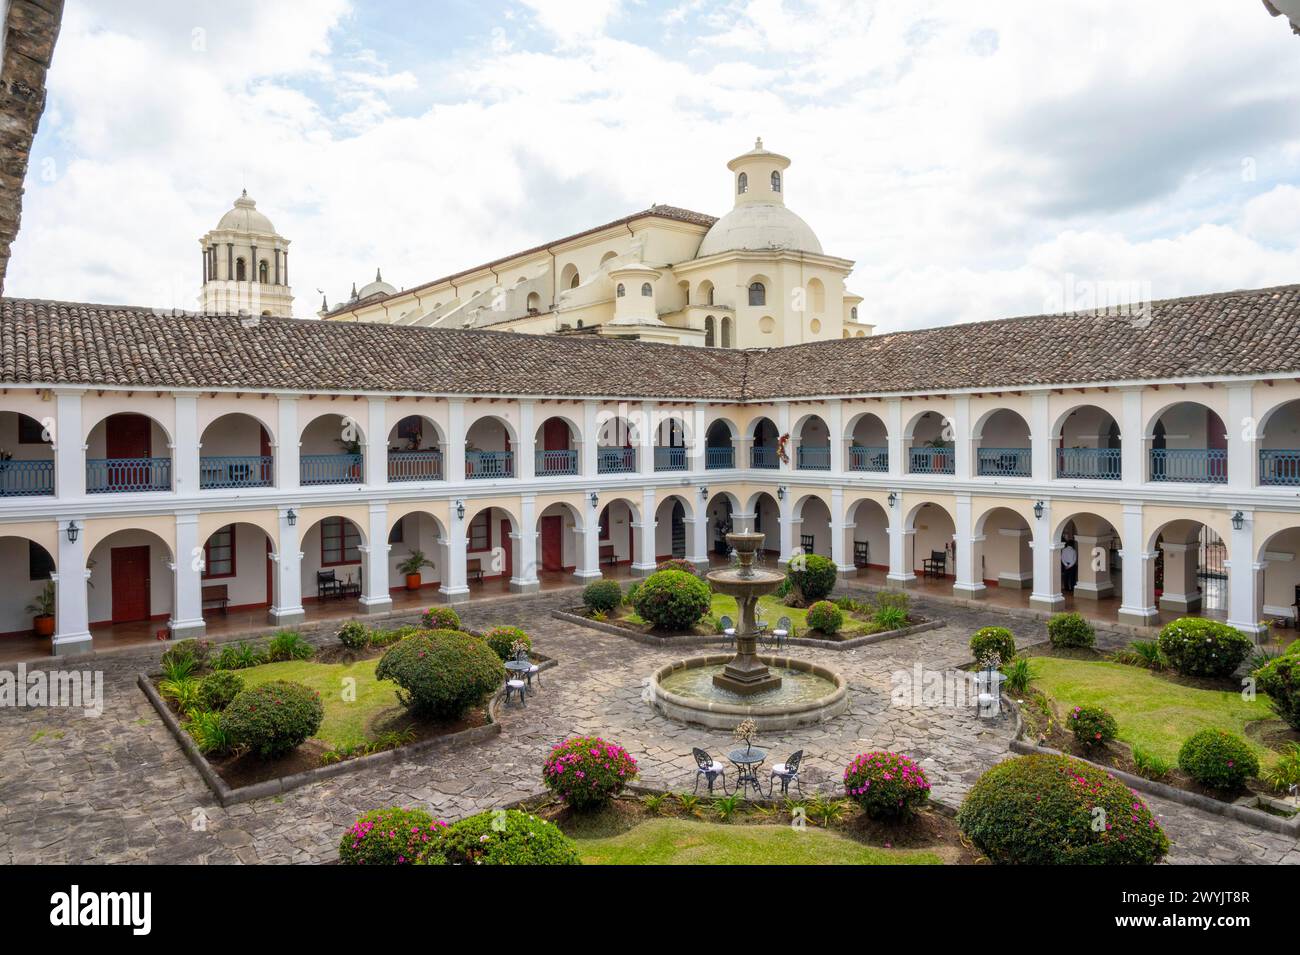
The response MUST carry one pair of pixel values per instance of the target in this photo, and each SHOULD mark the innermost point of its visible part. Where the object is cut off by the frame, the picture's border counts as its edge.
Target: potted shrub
(412, 566)
(42, 611)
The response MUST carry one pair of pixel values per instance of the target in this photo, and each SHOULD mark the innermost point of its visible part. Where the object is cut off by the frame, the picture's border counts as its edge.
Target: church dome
(245, 218)
(760, 227)
(377, 288)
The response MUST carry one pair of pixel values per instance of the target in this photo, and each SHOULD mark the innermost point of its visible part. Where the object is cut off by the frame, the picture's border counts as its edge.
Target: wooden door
(127, 436)
(270, 575)
(130, 569)
(508, 546)
(555, 435)
(552, 542)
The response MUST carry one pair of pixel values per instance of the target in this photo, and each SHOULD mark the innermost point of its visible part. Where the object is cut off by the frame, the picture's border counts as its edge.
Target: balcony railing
(616, 460)
(868, 459)
(1190, 465)
(250, 470)
(719, 458)
(330, 469)
(1088, 464)
(813, 458)
(414, 466)
(26, 478)
(764, 458)
(670, 459)
(485, 465)
(114, 475)
(932, 461)
(1279, 468)
(550, 463)
(1004, 462)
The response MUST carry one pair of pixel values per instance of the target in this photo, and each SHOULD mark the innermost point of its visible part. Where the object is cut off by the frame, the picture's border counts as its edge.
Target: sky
(975, 160)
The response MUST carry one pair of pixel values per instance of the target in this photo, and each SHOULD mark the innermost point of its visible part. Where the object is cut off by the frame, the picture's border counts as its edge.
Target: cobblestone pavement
(118, 789)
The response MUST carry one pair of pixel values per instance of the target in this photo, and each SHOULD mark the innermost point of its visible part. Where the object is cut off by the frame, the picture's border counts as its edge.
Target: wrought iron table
(748, 762)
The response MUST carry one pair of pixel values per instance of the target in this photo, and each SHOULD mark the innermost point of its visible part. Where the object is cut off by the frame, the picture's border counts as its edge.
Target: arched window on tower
(757, 293)
(647, 290)
(742, 184)
(726, 331)
(620, 291)
(776, 180)
(263, 272)
(709, 340)
(576, 281)
(853, 313)
(241, 271)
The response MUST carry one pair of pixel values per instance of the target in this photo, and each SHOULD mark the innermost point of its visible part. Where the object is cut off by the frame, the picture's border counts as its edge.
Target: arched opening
(929, 442)
(557, 450)
(1280, 584)
(263, 272)
(1087, 569)
(1002, 445)
(617, 536)
(670, 528)
(766, 521)
(721, 513)
(489, 450)
(719, 446)
(128, 452)
(235, 451)
(817, 296)
(812, 444)
(569, 278)
(647, 290)
(130, 583)
(710, 339)
(764, 452)
(331, 562)
(704, 294)
(616, 441)
(727, 338)
(241, 270)
(1188, 444)
(1088, 445)
(620, 290)
(1189, 573)
(417, 532)
(490, 556)
(932, 545)
(757, 293)
(812, 517)
(414, 450)
(238, 573)
(559, 544)
(331, 451)
(533, 303)
(27, 459)
(1278, 442)
(1003, 550)
(670, 444)
(742, 184)
(776, 180)
(867, 536)
(868, 444)
(31, 569)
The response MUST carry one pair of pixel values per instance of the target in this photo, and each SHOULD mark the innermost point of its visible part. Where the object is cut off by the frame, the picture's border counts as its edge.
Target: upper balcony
(557, 448)
(26, 457)
(1188, 444)
(122, 455)
(414, 451)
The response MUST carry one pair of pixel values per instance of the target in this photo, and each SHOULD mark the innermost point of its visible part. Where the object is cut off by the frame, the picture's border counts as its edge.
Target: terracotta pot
(412, 581)
(44, 625)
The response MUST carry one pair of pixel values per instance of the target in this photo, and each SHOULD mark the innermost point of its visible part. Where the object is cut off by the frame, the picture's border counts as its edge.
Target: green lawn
(684, 842)
(1152, 711)
(345, 723)
(770, 610)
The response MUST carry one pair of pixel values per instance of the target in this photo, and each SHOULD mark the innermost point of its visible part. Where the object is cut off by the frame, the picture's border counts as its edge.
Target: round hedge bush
(440, 618)
(1043, 810)
(672, 599)
(354, 635)
(441, 673)
(219, 688)
(886, 785)
(993, 640)
(676, 563)
(501, 639)
(1092, 726)
(1195, 646)
(271, 719)
(1218, 759)
(1280, 679)
(588, 771)
(505, 837)
(826, 617)
(1070, 630)
(602, 596)
(813, 575)
(392, 837)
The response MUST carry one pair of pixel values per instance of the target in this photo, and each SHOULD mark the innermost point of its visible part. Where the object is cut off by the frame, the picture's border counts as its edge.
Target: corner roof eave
(744, 255)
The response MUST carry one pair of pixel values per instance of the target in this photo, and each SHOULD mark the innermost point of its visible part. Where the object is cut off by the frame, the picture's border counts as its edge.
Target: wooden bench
(216, 596)
(474, 570)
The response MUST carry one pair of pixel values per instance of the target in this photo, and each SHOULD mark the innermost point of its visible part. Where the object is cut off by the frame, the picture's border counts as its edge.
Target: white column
(187, 578)
(697, 539)
(647, 431)
(1137, 600)
(782, 428)
(71, 601)
(963, 439)
(454, 586)
(286, 605)
(376, 461)
(1243, 459)
(839, 553)
(1245, 578)
(970, 580)
(589, 556)
(1179, 592)
(901, 570)
(590, 443)
(695, 441)
(526, 451)
(185, 444)
(375, 596)
(741, 445)
(1046, 594)
(835, 425)
(1041, 453)
(1133, 443)
(454, 462)
(785, 509)
(524, 580)
(643, 563)
(287, 443)
(69, 446)
(894, 424)
(1094, 581)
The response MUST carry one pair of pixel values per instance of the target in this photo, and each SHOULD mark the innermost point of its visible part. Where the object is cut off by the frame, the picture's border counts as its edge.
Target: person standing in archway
(1069, 566)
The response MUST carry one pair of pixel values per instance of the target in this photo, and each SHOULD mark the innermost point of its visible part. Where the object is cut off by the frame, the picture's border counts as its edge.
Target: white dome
(245, 218)
(757, 227)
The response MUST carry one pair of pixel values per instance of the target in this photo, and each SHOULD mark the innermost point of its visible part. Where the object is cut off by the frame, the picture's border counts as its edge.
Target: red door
(130, 568)
(555, 435)
(127, 436)
(552, 546)
(270, 572)
(508, 546)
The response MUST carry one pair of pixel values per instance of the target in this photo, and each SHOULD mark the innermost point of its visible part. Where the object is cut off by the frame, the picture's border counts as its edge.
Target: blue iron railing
(113, 475)
(330, 469)
(556, 462)
(616, 460)
(1004, 462)
(1099, 464)
(484, 465)
(868, 459)
(716, 458)
(1279, 467)
(251, 470)
(813, 458)
(26, 478)
(414, 466)
(1190, 465)
(764, 458)
(670, 459)
(932, 461)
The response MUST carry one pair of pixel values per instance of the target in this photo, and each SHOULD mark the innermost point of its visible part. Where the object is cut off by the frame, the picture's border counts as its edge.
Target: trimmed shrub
(676, 563)
(271, 719)
(440, 618)
(602, 596)
(813, 576)
(219, 688)
(392, 837)
(1041, 810)
(1218, 759)
(354, 635)
(826, 617)
(993, 641)
(886, 785)
(288, 645)
(502, 639)
(441, 673)
(386, 638)
(196, 651)
(1092, 726)
(1198, 647)
(1280, 679)
(672, 599)
(1070, 630)
(506, 838)
(588, 771)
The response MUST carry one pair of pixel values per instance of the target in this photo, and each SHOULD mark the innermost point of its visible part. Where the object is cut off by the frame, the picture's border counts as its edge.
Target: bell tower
(245, 265)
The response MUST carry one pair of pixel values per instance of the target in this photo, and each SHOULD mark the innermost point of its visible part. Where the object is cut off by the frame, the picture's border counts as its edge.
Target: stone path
(118, 789)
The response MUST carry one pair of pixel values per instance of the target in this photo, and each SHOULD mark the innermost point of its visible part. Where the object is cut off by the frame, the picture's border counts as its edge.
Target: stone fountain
(746, 674)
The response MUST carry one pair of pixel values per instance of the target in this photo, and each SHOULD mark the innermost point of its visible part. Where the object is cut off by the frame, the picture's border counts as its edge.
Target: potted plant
(412, 566)
(42, 611)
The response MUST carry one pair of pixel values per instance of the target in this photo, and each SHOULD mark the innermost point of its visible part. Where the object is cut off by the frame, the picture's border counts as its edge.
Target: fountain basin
(808, 694)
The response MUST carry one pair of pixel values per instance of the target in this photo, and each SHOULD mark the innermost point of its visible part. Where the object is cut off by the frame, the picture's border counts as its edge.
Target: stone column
(1094, 581)
(185, 445)
(1245, 579)
(454, 460)
(897, 449)
(524, 580)
(526, 451)
(286, 605)
(288, 442)
(1133, 442)
(643, 562)
(587, 458)
(69, 445)
(1137, 605)
(647, 432)
(839, 552)
(187, 578)
(963, 439)
(1042, 455)
(1180, 592)
(1046, 594)
(835, 426)
(588, 562)
(454, 586)
(697, 539)
(695, 442)
(1243, 459)
(71, 598)
(376, 447)
(970, 580)
(375, 595)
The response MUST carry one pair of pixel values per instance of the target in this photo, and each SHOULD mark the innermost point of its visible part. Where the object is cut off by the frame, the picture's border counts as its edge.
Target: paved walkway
(118, 789)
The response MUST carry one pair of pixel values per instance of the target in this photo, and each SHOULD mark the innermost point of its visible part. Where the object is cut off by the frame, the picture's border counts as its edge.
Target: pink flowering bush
(588, 771)
(392, 837)
(1092, 726)
(886, 785)
(1218, 759)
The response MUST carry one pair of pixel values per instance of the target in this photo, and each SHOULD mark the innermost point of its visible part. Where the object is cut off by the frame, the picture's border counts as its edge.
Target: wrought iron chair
(781, 632)
(517, 687)
(787, 772)
(936, 565)
(327, 584)
(728, 631)
(533, 669)
(710, 769)
(806, 544)
(860, 552)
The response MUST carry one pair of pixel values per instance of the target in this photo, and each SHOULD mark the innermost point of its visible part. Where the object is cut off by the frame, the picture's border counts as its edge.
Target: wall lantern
(780, 493)
(595, 499)
(74, 530)
(291, 517)
(893, 498)
(1038, 510)
(460, 510)
(1238, 521)
(704, 493)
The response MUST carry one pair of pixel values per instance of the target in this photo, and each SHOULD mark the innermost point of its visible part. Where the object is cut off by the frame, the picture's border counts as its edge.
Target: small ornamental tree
(587, 771)
(440, 618)
(826, 617)
(811, 577)
(441, 673)
(989, 642)
(219, 688)
(672, 600)
(886, 785)
(1195, 646)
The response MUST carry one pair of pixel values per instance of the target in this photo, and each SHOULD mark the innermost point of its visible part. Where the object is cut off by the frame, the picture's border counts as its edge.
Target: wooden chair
(327, 584)
(936, 565)
(216, 596)
(806, 543)
(860, 550)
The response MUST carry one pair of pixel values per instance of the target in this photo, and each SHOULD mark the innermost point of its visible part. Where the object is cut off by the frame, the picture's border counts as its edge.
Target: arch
(867, 532)
(569, 278)
(776, 180)
(647, 290)
(757, 292)
(619, 530)
(704, 293)
(558, 549)
(485, 420)
(812, 513)
(31, 566)
(720, 431)
(491, 532)
(237, 556)
(533, 303)
(556, 443)
(726, 337)
(1088, 444)
(742, 184)
(765, 519)
(1003, 546)
(490, 443)
(143, 557)
(1188, 444)
(331, 545)
(241, 270)
(1189, 571)
(1277, 445)
(909, 521)
(331, 428)
(30, 469)
(932, 527)
(812, 440)
(416, 432)
(671, 533)
(709, 337)
(236, 449)
(853, 313)
(128, 451)
(607, 257)
(1002, 444)
(415, 528)
(163, 431)
(816, 296)
(928, 444)
(264, 272)
(620, 290)
(867, 429)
